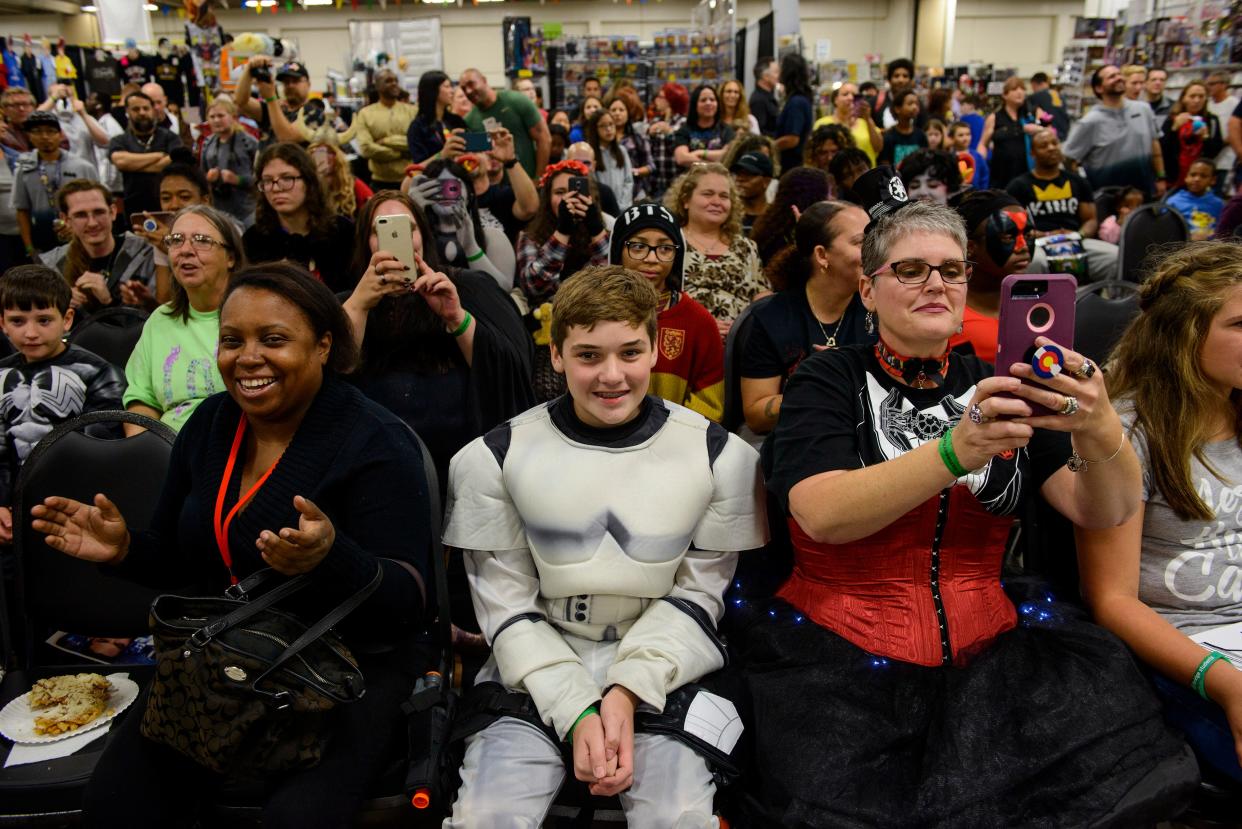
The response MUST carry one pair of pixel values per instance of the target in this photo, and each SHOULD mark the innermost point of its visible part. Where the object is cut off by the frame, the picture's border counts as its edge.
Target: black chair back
(57, 591)
(735, 347)
(1144, 230)
(111, 333)
(1102, 313)
(1106, 201)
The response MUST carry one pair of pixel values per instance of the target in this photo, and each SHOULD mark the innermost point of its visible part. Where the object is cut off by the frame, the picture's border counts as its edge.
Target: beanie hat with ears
(649, 216)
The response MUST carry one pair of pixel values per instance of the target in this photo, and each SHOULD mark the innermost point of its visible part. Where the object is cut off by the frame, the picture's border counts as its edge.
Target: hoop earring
(869, 322)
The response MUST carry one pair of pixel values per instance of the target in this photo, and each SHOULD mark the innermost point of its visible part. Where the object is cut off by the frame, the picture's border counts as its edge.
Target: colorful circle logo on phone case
(1047, 362)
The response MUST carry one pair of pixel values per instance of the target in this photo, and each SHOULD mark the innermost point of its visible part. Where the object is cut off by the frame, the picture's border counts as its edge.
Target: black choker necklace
(917, 372)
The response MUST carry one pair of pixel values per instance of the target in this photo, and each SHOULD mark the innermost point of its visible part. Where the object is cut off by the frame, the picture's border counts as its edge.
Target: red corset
(925, 589)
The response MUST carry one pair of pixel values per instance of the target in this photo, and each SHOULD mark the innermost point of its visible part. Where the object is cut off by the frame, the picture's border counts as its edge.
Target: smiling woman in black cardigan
(333, 485)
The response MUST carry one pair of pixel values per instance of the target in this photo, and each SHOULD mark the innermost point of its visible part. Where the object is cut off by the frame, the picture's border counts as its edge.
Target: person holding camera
(854, 113)
(228, 162)
(567, 234)
(1190, 132)
(279, 119)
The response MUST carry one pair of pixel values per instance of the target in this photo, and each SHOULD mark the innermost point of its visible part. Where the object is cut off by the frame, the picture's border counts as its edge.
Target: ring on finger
(1070, 406)
(976, 415)
(1085, 371)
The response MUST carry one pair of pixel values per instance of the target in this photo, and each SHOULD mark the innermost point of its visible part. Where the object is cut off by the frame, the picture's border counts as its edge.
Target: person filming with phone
(854, 113)
(567, 234)
(900, 466)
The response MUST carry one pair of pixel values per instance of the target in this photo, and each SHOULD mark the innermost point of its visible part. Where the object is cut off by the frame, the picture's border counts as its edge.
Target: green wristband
(461, 329)
(476, 257)
(1200, 677)
(591, 709)
(950, 457)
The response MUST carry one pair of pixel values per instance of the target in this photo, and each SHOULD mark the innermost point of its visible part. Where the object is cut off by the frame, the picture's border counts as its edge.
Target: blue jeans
(1204, 724)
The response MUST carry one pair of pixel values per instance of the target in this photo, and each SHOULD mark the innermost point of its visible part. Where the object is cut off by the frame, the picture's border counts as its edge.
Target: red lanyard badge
(222, 529)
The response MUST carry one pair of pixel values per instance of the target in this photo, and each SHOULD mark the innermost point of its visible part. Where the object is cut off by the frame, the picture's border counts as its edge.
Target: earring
(869, 322)
(959, 328)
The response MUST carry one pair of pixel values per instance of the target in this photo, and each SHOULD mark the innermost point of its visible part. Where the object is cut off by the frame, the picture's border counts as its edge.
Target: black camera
(261, 73)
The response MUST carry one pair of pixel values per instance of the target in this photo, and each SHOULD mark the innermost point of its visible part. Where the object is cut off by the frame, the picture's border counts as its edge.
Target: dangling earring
(869, 322)
(959, 328)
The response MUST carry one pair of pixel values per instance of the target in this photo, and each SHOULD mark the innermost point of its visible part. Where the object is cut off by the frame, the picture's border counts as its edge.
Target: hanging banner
(120, 20)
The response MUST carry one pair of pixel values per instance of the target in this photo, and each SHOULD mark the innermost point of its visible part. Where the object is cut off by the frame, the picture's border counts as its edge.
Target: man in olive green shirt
(515, 112)
(381, 128)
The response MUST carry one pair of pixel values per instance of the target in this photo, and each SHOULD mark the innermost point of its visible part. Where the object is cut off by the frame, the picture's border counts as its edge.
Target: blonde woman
(345, 194)
(228, 162)
(1165, 581)
(734, 110)
(722, 266)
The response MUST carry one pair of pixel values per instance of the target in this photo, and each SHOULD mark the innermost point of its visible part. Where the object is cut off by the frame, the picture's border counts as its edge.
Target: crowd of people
(545, 298)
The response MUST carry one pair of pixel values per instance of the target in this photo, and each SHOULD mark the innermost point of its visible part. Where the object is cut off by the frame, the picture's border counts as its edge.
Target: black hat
(646, 216)
(41, 118)
(754, 163)
(880, 192)
(292, 71)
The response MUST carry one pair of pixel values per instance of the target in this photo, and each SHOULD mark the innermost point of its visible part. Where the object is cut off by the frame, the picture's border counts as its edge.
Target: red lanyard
(222, 529)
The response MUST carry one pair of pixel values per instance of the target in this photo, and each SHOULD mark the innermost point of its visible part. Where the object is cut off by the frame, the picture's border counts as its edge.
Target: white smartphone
(396, 236)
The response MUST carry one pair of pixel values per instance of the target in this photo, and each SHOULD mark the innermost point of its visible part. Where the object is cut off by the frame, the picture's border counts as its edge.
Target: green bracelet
(476, 257)
(1198, 682)
(591, 709)
(950, 457)
(465, 323)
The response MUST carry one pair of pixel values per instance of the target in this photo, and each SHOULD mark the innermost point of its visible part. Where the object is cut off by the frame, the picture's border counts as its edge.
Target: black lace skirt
(1052, 726)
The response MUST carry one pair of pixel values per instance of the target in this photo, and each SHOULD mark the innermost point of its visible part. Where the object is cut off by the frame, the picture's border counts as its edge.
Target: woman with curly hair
(344, 193)
(722, 265)
(293, 220)
(825, 142)
(799, 188)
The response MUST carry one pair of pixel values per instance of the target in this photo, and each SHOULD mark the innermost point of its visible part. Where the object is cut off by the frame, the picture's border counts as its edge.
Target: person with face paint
(930, 175)
(1060, 201)
(1000, 241)
(899, 466)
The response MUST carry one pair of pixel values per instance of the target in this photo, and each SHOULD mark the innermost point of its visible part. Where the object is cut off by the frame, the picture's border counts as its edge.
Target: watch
(510, 164)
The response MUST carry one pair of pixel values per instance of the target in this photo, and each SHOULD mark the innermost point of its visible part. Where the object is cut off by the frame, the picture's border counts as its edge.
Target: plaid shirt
(663, 166)
(539, 267)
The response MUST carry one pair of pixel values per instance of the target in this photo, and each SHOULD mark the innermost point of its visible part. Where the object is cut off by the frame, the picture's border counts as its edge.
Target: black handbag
(242, 686)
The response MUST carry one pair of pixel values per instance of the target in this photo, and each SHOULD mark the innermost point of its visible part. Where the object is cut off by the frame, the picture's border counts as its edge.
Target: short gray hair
(916, 217)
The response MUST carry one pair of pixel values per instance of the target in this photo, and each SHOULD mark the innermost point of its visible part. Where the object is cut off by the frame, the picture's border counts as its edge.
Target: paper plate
(17, 718)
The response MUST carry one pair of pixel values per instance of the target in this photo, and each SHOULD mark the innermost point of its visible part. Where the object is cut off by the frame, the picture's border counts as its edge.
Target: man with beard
(752, 173)
(164, 117)
(279, 119)
(140, 153)
(381, 130)
(999, 241)
(1118, 141)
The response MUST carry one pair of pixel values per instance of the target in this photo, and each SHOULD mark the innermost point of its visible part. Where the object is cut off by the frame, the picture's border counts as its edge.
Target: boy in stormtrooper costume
(600, 532)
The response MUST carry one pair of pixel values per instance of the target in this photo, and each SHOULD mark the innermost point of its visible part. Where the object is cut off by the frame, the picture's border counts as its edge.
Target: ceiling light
(151, 7)
(89, 9)
(316, 2)
(250, 4)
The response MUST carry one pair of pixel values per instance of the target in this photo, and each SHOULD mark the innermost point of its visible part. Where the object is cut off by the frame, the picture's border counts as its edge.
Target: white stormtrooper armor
(593, 565)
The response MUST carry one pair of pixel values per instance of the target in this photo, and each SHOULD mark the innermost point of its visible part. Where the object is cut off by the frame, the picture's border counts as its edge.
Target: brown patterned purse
(241, 686)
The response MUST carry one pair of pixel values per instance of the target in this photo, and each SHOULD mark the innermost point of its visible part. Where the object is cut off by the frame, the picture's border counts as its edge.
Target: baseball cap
(755, 163)
(292, 71)
(41, 118)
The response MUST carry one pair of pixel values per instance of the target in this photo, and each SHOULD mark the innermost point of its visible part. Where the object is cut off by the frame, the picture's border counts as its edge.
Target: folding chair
(111, 333)
(1103, 311)
(1144, 231)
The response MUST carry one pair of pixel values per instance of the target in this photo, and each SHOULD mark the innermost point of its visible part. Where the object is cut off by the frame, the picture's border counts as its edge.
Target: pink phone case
(1034, 305)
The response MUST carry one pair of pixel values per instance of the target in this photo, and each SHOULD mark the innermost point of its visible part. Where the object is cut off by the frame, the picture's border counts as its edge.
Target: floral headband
(569, 165)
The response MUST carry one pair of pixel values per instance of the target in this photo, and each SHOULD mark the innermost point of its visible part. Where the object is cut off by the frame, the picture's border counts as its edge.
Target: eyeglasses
(201, 242)
(639, 250)
(278, 185)
(916, 271)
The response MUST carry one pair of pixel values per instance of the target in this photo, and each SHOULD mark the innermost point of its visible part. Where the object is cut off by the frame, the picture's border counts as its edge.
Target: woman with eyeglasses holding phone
(293, 220)
(894, 675)
(173, 367)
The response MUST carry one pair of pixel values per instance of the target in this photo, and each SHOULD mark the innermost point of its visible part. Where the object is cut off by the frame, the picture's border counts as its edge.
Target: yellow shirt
(380, 131)
(862, 136)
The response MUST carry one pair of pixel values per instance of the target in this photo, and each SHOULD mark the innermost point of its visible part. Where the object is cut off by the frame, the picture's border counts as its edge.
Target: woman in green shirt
(173, 367)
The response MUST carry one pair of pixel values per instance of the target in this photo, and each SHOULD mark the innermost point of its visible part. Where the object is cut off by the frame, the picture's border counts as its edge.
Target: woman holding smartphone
(567, 234)
(854, 113)
(442, 348)
(900, 466)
